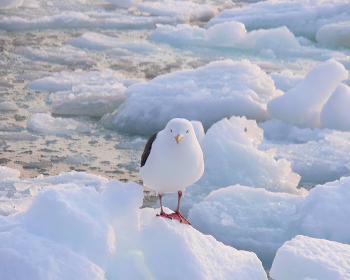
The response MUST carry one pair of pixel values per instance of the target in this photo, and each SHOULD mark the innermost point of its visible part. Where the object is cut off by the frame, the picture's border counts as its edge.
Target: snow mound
(313, 258)
(231, 157)
(8, 106)
(106, 235)
(335, 113)
(261, 221)
(247, 219)
(335, 35)
(206, 94)
(229, 34)
(45, 124)
(271, 14)
(65, 81)
(303, 104)
(101, 42)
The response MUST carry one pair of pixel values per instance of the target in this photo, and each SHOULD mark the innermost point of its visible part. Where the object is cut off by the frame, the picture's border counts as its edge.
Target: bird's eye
(171, 130)
(186, 131)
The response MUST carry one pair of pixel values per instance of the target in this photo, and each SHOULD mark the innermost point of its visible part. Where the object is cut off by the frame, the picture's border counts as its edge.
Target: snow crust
(303, 104)
(273, 217)
(206, 94)
(103, 234)
(335, 35)
(271, 14)
(46, 124)
(312, 259)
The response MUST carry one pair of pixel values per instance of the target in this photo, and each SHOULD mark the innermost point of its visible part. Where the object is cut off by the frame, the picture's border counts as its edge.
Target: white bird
(171, 161)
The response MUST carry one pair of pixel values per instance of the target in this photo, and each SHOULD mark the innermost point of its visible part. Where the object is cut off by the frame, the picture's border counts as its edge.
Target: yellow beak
(178, 138)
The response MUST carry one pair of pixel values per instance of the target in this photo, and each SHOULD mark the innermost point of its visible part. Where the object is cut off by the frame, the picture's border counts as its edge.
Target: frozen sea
(84, 83)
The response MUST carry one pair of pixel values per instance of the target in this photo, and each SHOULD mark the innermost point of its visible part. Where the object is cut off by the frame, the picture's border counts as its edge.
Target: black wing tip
(147, 149)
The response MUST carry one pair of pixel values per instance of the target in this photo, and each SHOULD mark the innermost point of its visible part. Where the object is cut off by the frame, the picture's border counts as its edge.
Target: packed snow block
(8, 173)
(206, 94)
(231, 157)
(74, 217)
(335, 113)
(310, 258)
(248, 219)
(27, 256)
(45, 124)
(176, 251)
(228, 35)
(303, 104)
(334, 35)
(272, 14)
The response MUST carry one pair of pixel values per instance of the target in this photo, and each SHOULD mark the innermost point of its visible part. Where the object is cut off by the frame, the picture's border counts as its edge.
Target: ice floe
(312, 259)
(335, 35)
(206, 94)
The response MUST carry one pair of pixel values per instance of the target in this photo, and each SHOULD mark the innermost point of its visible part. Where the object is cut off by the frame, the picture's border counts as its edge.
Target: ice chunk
(231, 157)
(335, 35)
(228, 34)
(303, 104)
(206, 94)
(45, 124)
(272, 14)
(335, 113)
(194, 255)
(247, 219)
(27, 256)
(8, 106)
(103, 42)
(65, 81)
(312, 259)
(8, 173)
(286, 80)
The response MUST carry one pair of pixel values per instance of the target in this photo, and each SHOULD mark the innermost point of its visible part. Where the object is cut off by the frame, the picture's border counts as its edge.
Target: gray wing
(147, 149)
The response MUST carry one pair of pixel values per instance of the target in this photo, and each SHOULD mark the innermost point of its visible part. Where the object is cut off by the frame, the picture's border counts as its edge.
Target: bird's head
(179, 130)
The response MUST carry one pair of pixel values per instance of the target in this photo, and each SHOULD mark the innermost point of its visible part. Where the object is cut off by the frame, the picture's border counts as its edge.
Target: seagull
(171, 161)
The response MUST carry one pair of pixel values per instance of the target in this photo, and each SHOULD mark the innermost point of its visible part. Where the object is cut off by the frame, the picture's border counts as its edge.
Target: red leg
(177, 215)
(162, 213)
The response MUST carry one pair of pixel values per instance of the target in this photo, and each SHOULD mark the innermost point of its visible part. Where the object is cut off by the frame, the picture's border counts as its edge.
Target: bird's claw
(177, 216)
(164, 215)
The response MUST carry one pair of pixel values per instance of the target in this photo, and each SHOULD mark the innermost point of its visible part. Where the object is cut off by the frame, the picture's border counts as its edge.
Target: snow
(125, 3)
(261, 221)
(231, 157)
(8, 173)
(303, 104)
(46, 124)
(8, 106)
(313, 258)
(301, 17)
(103, 234)
(228, 34)
(286, 80)
(335, 35)
(8, 4)
(335, 113)
(206, 94)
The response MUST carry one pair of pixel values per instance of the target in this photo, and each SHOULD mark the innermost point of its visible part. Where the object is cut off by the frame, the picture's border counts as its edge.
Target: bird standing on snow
(171, 161)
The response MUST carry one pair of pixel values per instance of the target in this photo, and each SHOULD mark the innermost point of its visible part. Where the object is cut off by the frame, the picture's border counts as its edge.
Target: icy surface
(105, 235)
(261, 221)
(335, 35)
(8, 173)
(206, 94)
(231, 157)
(303, 18)
(44, 123)
(303, 104)
(335, 113)
(312, 259)
(286, 80)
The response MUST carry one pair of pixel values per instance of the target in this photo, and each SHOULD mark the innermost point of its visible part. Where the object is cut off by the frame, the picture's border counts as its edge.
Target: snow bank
(317, 155)
(106, 235)
(229, 34)
(207, 94)
(335, 113)
(313, 258)
(335, 35)
(303, 18)
(65, 81)
(101, 42)
(231, 157)
(44, 123)
(303, 104)
(261, 221)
